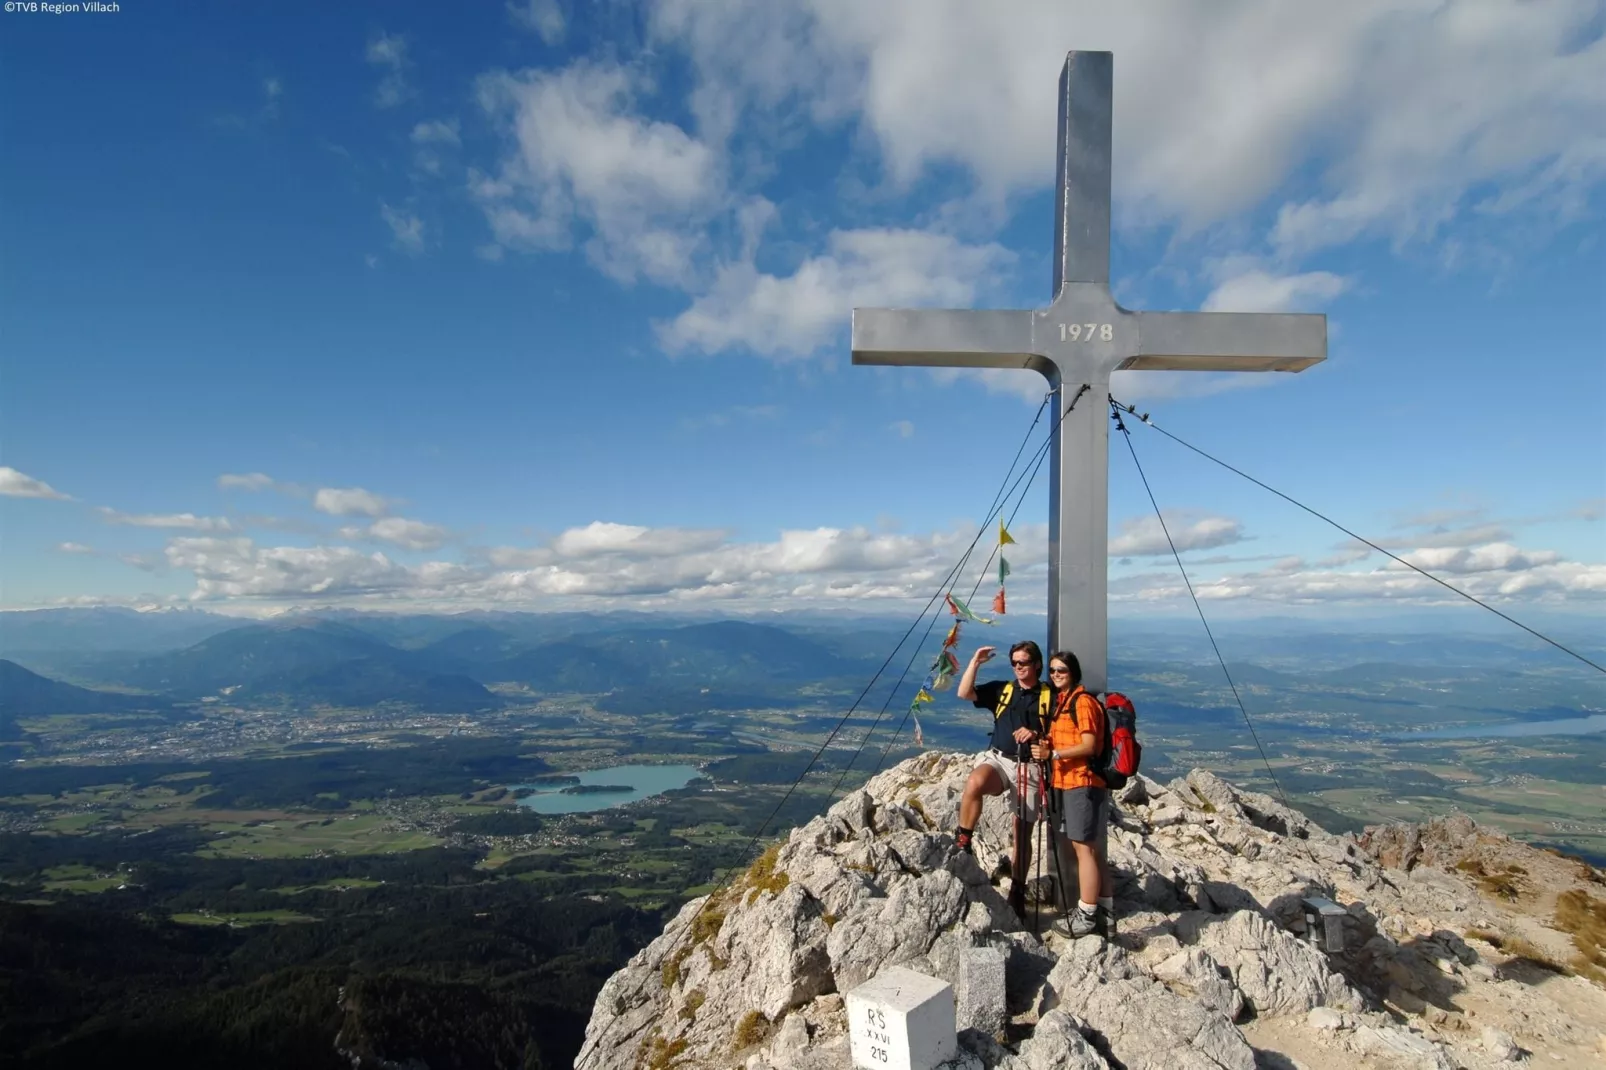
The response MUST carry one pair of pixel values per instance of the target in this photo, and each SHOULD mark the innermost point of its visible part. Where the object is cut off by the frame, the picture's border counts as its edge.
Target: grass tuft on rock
(753, 1029)
(1583, 917)
(762, 876)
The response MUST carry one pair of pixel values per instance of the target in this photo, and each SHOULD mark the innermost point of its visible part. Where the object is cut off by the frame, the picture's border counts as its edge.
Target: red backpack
(1121, 754)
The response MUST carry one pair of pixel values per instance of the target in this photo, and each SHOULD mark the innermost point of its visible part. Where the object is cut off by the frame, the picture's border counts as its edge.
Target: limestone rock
(1277, 973)
(1142, 1024)
(1209, 881)
(1193, 972)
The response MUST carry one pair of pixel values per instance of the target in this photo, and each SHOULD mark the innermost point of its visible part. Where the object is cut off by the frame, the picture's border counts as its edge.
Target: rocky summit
(1450, 954)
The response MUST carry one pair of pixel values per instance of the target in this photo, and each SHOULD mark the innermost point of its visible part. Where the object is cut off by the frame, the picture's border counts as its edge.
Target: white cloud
(405, 227)
(607, 563)
(237, 568)
(436, 132)
(1496, 573)
(1261, 291)
(338, 501)
(253, 481)
(410, 534)
(75, 548)
(600, 537)
(16, 485)
(431, 140)
(1389, 102)
(581, 160)
(544, 17)
(1144, 536)
(389, 51)
(185, 521)
(796, 315)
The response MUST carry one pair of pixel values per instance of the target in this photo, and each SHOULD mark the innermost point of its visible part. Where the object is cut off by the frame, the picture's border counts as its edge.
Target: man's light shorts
(1006, 769)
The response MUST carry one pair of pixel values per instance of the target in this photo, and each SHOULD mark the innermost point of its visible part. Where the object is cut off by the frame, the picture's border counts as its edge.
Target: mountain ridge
(1211, 968)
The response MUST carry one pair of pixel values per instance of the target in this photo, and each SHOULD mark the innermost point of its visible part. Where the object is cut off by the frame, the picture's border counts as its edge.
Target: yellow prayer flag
(1004, 537)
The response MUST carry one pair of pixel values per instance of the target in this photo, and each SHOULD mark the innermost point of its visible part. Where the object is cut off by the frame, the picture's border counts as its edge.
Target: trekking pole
(1017, 864)
(1053, 839)
(1039, 833)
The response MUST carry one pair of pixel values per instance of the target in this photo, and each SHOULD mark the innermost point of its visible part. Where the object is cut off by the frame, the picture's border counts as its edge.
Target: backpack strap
(1004, 696)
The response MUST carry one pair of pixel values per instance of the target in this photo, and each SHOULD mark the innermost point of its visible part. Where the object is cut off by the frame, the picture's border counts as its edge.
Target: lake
(1567, 726)
(644, 781)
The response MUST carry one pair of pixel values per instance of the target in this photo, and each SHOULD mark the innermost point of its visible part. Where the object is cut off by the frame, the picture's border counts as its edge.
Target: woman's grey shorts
(1085, 814)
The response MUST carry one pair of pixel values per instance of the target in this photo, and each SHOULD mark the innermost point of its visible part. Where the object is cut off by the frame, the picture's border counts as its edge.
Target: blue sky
(544, 305)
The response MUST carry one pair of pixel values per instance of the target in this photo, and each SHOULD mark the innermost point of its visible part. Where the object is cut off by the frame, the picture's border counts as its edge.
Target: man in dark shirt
(1014, 729)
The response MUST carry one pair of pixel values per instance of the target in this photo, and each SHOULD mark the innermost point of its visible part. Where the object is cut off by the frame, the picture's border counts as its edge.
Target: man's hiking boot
(1088, 922)
(1003, 869)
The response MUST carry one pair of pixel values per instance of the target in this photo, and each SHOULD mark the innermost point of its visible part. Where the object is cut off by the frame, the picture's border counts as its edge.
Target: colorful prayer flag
(1004, 537)
(1003, 569)
(945, 667)
(998, 602)
(962, 611)
(953, 637)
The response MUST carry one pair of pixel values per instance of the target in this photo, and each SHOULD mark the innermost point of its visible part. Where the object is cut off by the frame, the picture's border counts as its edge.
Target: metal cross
(1082, 337)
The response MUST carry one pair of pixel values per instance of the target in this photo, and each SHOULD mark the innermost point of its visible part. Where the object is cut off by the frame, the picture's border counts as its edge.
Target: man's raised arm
(967, 683)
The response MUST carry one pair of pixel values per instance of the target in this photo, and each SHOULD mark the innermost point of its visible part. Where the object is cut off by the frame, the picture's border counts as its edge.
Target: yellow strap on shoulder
(1003, 700)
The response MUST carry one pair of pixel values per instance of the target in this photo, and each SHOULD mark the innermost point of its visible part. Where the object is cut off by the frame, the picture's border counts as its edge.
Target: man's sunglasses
(1021, 664)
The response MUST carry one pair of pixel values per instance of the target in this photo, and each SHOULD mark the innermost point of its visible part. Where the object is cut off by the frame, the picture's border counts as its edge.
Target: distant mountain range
(339, 663)
(641, 662)
(27, 694)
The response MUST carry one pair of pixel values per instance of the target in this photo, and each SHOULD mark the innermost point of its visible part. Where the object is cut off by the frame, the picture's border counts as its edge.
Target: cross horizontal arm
(946, 338)
(1229, 341)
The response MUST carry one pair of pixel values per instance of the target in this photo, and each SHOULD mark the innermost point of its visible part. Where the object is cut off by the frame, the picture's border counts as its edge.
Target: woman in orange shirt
(1075, 735)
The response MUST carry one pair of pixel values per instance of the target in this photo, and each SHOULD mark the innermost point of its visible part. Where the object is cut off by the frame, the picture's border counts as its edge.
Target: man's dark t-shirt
(1022, 713)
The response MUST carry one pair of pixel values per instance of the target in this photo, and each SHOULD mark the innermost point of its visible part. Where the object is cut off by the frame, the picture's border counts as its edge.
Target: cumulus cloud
(582, 162)
(406, 228)
(794, 315)
(1144, 536)
(431, 140)
(608, 563)
(1256, 290)
(16, 485)
(410, 534)
(348, 501)
(600, 537)
(543, 17)
(436, 132)
(238, 568)
(1387, 102)
(253, 481)
(389, 53)
(1497, 573)
(186, 521)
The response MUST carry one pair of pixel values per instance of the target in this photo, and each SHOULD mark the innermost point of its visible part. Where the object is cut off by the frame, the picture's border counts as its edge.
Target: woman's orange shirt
(1075, 712)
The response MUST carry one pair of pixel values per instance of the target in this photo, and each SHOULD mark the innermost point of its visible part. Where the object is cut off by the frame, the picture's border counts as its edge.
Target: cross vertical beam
(1082, 337)
(1082, 171)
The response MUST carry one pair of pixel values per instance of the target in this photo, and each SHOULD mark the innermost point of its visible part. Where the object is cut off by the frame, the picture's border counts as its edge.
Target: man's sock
(1108, 903)
(964, 838)
(1086, 908)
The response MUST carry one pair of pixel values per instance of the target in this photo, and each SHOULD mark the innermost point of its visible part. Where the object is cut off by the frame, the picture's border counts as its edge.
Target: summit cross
(1079, 339)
